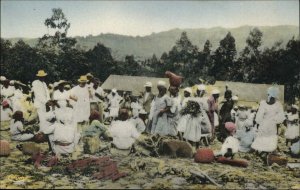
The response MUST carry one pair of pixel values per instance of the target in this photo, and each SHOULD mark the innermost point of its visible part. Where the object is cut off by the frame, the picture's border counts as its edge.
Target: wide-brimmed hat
(295, 107)
(60, 82)
(235, 98)
(41, 73)
(68, 86)
(82, 78)
(148, 84)
(2, 78)
(89, 75)
(242, 106)
(215, 91)
(188, 89)
(201, 87)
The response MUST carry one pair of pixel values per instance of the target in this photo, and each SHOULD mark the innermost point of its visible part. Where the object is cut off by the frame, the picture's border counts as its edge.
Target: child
(196, 122)
(292, 131)
(16, 128)
(242, 116)
(6, 113)
(246, 136)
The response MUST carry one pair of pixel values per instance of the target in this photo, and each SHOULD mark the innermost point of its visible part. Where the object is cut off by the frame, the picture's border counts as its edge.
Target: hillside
(157, 43)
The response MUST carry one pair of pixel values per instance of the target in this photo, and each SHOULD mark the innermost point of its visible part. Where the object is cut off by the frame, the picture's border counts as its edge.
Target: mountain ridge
(143, 47)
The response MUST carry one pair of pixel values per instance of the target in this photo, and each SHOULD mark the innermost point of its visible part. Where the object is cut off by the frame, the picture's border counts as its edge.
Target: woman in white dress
(174, 114)
(161, 105)
(114, 100)
(196, 122)
(182, 122)
(269, 115)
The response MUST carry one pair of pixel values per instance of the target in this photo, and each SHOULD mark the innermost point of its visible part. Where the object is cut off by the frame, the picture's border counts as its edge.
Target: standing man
(42, 96)
(97, 99)
(212, 111)
(81, 95)
(147, 97)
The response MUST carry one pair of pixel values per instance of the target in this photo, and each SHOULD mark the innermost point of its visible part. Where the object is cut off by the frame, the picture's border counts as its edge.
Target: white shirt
(41, 93)
(124, 133)
(6, 92)
(16, 127)
(5, 114)
(82, 106)
(61, 97)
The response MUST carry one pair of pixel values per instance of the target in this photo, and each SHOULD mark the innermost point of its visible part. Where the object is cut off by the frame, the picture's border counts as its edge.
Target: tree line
(57, 54)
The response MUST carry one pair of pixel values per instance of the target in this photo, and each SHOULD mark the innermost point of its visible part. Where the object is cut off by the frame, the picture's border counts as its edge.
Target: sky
(26, 18)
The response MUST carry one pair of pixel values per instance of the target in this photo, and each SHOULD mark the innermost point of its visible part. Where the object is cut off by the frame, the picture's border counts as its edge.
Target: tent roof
(248, 91)
(135, 84)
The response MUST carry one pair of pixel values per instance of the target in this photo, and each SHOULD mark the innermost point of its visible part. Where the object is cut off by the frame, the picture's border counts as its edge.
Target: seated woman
(92, 134)
(231, 144)
(96, 128)
(123, 131)
(17, 130)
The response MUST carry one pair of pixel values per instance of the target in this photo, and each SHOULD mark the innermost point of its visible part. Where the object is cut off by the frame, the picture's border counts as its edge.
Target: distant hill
(157, 43)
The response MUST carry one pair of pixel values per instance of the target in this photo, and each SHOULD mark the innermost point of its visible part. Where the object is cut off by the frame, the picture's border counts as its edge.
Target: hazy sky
(26, 18)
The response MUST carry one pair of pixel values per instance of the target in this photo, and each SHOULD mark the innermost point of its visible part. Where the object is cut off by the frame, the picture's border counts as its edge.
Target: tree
(250, 57)
(207, 47)
(100, 61)
(183, 56)
(5, 56)
(59, 26)
(224, 58)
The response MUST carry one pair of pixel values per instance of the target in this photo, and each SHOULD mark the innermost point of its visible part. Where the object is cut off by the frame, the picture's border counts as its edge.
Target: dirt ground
(157, 173)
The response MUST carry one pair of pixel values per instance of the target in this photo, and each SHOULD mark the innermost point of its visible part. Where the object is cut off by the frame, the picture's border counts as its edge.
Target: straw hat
(148, 84)
(41, 73)
(82, 78)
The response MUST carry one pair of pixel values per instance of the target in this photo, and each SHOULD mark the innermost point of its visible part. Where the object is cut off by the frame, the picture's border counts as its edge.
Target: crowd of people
(67, 115)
